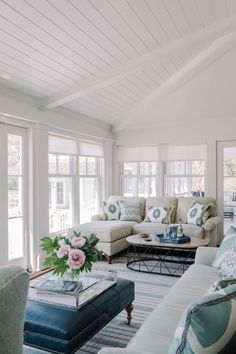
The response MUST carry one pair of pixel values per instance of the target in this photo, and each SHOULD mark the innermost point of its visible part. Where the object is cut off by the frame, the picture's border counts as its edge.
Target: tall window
(90, 172)
(75, 182)
(185, 178)
(139, 179)
(62, 171)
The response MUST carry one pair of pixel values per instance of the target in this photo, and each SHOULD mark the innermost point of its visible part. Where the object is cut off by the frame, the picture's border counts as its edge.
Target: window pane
(143, 187)
(66, 164)
(88, 198)
(130, 168)
(14, 154)
(144, 168)
(153, 187)
(185, 186)
(82, 165)
(14, 196)
(15, 238)
(230, 184)
(91, 166)
(153, 168)
(198, 167)
(60, 203)
(130, 186)
(52, 160)
(230, 167)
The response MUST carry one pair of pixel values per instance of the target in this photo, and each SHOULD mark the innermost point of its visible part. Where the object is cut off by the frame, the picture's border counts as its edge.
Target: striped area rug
(149, 291)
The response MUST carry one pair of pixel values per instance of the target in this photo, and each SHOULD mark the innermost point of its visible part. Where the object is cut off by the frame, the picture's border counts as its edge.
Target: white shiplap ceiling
(103, 57)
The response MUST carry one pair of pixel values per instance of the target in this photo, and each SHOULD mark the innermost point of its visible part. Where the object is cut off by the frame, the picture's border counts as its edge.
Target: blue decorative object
(168, 239)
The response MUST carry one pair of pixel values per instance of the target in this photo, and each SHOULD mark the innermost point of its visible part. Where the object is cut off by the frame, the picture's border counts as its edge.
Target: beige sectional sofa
(157, 332)
(112, 233)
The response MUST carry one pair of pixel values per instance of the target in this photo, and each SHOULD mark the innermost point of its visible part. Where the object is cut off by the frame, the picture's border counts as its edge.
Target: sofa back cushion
(141, 200)
(185, 203)
(166, 202)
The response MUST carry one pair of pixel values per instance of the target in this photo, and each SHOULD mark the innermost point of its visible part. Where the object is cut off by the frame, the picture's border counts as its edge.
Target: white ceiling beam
(208, 33)
(217, 49)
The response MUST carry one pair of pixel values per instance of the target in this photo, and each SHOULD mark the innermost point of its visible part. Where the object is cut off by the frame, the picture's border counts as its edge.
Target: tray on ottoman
(64, 329)
(163, 239)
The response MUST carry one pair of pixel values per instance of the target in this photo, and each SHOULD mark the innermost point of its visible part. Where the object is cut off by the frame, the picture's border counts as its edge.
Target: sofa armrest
(120, 351)
(211, 223)
(96, 217)
(205, 255)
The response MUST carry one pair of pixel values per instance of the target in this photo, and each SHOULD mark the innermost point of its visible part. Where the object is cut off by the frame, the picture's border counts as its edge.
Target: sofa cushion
(140, 200)
(208, 325)
(159, 214)
(130, 211)
(149, 228)
(198, 213)
(193, 230)
(111, 210)
(185, 203)
(225, 258)
(106, 230)
(164, 202)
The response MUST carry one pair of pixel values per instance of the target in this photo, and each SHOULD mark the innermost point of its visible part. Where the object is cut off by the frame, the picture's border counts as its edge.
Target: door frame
(220, 182)
(6, 129)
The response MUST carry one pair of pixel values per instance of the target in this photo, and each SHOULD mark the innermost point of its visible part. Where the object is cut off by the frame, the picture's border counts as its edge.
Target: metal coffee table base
(167, 261)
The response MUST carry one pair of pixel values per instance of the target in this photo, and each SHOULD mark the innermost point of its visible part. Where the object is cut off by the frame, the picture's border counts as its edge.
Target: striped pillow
(130, 211)
(225, 258)
(208, 325)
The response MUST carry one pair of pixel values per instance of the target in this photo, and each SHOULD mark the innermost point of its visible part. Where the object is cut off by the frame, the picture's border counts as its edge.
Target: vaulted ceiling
(108, 58)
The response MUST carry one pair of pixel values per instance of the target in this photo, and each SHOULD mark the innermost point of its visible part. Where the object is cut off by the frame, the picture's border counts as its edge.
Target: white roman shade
(88, 149)
(140, 153)
(59, 145)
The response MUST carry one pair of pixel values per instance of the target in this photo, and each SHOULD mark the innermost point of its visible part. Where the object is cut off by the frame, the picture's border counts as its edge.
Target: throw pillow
(198, 214)
(159, 214)
(111, 210)
(208, 325)
(130, 211)
(225, 258)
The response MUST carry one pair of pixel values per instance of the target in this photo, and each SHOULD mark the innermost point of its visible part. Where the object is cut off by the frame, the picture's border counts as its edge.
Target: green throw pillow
(130, 211)
(225, 258)
(111, 210)
(208, 325)
(159, 214)
(198, 213)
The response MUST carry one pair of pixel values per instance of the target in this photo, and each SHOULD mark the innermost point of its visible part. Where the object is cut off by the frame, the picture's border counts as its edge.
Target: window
(75, 182)
(185, 178)
(90, 177)
(139, 179)
(62, 171)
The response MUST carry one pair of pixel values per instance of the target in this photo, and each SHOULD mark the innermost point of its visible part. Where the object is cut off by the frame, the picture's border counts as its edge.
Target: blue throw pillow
(225, 259)
(208, 325)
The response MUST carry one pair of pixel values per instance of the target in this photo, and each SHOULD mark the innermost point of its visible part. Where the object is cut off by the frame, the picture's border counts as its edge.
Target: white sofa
(112, 234)
(156, 333)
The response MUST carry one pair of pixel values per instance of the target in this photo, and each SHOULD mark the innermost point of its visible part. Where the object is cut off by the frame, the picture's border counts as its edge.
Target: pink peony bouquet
(74, 254)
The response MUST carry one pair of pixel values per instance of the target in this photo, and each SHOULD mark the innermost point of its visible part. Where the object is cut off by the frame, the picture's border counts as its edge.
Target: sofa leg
(129, 310)
(109, 259)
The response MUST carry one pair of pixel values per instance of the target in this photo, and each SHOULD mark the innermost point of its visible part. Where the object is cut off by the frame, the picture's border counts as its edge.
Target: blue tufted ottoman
(65, 330)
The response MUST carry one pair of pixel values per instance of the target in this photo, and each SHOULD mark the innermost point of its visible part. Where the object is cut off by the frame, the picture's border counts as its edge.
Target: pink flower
(78, 242)
(76, 259)
(63, 251)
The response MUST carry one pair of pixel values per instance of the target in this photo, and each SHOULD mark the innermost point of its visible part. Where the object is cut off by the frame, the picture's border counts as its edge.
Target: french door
(226, 190)
(13, 192)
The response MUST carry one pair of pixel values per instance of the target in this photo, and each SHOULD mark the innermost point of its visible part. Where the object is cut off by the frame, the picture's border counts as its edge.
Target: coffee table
(60, 328)
(152, 256)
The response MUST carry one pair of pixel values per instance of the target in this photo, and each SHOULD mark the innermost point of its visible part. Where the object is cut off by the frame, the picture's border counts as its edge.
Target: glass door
(227, 183)
(14, 196)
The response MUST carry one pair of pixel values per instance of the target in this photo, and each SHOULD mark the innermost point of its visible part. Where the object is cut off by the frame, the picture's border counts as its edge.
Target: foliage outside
(72, 255)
